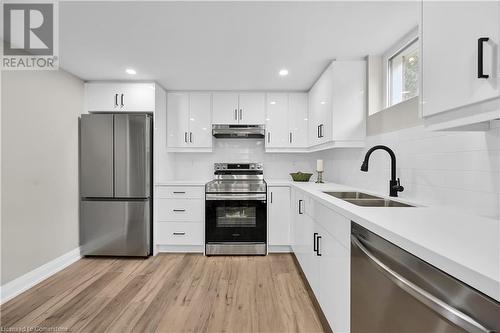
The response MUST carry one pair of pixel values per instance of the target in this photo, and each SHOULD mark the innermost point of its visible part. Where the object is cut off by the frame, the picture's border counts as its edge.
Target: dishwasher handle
(452, 314)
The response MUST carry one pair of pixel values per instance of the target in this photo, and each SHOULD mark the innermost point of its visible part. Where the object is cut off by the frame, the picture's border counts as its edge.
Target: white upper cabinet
(337, 106)
(286, 122)
(177, 120)
(298, 119)
(120, 97)
(277, 132)
(239, 108)
(225, 108)
(189, 122)
(460, 62)
(252, 109)
(200, 120)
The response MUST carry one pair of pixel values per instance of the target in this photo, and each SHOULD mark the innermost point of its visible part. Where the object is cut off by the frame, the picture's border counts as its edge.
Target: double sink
(366, 200)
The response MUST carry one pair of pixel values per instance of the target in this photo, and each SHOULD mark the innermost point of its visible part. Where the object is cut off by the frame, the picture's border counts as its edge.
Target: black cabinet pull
(480, 45)
(179, 233)
(315, 247)
(268, 137)
(271, 197)
(235, 114)
(116, 100)
(179, 210)
(290, 137)
(241, 114)
(318, 132)
(318, 246)
(121, 100)
(191, 137)
(179, 192)
(300, 207)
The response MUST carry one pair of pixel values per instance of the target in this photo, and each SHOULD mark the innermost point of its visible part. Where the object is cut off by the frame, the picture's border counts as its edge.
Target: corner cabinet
(337, 106)
(232, 108)
(460, 63)
(189, 122)
(321, 239)
(120, 97)
(286, 122)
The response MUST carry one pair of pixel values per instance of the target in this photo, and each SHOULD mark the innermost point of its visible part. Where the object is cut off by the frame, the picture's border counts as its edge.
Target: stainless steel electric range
(236, 210)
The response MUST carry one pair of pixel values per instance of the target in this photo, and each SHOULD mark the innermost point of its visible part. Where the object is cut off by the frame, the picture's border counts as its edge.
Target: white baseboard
(24, 282)
(279, 249)
(180, 248)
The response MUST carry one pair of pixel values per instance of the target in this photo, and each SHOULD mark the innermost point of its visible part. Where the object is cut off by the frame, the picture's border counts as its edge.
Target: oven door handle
(237, 196)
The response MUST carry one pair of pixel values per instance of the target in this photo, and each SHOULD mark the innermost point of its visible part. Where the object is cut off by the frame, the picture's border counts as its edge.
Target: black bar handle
(300, 207)
(480, 45)
(318, 132)
(271, 197)
(116, 100)
(121, 100)
(179, 192)
(179, 210)
(315, 247)
(318, 246)
(179, 233)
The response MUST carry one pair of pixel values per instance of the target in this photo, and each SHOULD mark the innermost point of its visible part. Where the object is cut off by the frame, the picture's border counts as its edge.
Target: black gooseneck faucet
(394, 184)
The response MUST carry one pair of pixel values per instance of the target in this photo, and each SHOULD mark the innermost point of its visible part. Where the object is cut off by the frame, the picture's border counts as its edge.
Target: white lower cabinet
(323, 256)
(334, 280)
(180, 233)
(179, 216)
(278, 215)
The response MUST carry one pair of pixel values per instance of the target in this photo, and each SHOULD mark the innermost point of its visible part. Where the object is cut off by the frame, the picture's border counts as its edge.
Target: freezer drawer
(115, 228)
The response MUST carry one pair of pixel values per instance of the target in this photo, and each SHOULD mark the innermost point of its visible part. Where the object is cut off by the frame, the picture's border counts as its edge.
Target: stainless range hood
(238, 131)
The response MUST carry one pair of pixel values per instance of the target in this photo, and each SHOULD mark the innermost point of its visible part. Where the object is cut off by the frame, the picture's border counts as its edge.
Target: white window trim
(397, 47)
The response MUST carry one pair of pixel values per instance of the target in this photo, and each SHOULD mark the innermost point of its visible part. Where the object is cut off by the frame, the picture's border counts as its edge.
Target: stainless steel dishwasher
(393, 291)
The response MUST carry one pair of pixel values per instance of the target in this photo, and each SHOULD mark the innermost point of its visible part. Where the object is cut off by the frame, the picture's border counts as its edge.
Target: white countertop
(199, 182)
(465, 246)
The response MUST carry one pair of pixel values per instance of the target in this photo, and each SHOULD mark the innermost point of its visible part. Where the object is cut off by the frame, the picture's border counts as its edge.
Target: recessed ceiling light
(323, 102)
(130, 71)
(272, 102)
(284, 72)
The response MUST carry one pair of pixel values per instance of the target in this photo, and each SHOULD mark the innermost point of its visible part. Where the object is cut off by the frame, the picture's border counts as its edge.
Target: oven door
(236, 218)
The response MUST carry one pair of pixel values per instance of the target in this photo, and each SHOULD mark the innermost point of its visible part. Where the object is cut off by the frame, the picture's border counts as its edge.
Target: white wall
(455, 169)
(201, 165)
(39, 137)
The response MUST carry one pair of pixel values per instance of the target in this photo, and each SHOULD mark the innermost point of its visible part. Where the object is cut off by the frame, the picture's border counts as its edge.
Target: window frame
(396, 49)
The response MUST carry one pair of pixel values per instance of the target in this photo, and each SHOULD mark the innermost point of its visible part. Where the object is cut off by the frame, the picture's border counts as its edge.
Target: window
(402, 73)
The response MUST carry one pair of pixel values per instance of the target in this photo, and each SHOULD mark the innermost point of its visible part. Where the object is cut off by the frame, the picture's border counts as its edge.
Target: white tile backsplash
(277, 166)
(454, 169)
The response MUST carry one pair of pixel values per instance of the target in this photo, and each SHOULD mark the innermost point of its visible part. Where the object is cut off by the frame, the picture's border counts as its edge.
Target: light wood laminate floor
(169, 293)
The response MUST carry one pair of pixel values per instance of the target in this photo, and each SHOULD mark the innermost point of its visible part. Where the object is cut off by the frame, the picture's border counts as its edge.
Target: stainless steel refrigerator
(115, 184)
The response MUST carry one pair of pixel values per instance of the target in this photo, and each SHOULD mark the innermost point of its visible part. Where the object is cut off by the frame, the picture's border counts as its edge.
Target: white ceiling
(224, 45)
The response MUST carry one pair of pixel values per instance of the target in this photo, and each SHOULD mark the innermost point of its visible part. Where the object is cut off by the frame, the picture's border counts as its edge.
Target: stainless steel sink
(352, 195)
(366, 200)
(377, 203)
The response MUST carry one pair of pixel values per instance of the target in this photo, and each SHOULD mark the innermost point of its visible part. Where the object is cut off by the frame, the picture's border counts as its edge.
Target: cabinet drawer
(335, 224)
(181, 192)
(180, 210)
(180, 233)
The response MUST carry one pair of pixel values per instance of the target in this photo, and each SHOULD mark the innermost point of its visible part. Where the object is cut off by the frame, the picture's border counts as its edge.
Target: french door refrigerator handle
(480, 46)
(454, 315)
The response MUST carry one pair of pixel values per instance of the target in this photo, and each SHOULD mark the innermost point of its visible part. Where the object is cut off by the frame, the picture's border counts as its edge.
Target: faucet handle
(398, 187)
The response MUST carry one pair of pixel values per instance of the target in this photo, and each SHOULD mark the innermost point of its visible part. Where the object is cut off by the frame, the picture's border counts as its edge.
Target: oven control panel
(238, 167)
